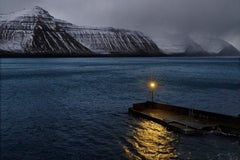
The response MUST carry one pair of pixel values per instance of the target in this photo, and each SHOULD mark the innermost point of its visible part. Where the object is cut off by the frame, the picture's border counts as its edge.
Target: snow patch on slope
(35, 30)
(33, 12)
(110, 40)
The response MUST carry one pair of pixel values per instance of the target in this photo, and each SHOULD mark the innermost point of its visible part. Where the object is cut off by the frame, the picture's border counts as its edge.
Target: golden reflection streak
(150, 141)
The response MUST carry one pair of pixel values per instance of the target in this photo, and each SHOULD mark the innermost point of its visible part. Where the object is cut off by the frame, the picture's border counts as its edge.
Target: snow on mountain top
(35, 12)
(107, 29)
(36, 31)
(40, 12)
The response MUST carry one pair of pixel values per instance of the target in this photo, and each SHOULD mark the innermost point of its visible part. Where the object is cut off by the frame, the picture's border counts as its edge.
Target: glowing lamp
(152, 86)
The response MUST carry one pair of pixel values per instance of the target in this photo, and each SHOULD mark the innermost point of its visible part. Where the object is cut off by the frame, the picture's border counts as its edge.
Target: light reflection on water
(150, 140)
(76, 108)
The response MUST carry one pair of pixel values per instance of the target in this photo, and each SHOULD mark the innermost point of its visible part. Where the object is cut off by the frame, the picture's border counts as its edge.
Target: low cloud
(217, 17)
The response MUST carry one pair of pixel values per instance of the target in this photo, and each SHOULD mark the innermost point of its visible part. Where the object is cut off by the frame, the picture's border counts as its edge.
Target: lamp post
(152, 86)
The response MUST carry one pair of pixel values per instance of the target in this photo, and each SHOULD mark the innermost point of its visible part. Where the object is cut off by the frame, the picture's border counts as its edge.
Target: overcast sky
(219, 17)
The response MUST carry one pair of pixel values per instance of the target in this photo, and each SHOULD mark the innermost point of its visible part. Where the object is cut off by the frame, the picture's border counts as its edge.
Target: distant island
(35, 33)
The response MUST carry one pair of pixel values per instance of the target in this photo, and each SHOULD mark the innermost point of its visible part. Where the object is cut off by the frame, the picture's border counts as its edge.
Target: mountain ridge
(34, 32)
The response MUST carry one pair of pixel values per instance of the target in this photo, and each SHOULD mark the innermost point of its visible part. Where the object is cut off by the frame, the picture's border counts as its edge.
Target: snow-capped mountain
(35, 31)
(111, 40)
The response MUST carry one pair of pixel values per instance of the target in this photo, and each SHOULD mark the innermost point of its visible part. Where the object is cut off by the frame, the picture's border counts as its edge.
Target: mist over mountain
(175, 43)
(34, 31)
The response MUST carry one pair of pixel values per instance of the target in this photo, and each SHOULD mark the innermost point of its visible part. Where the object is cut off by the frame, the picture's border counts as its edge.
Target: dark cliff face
(114, 41)
(57, 41)
(35, 32)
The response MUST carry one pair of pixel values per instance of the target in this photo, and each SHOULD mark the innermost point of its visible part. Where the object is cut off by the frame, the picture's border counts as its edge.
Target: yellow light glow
(152, 85)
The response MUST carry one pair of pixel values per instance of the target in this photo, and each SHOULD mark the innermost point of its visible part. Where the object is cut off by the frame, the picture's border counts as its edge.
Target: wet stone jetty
(186, 120)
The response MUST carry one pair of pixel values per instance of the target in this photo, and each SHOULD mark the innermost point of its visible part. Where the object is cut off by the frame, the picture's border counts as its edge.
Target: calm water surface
(76, 108)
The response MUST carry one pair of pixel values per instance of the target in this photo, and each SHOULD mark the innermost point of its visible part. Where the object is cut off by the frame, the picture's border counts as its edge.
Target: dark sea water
(76, 108)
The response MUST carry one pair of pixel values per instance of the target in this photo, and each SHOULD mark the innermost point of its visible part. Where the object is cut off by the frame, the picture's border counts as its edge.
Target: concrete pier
(187, 120)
